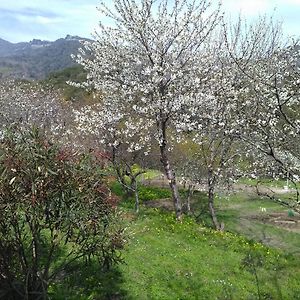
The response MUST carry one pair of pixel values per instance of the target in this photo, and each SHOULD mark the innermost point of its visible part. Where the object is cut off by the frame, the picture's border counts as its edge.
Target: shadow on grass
(89, 282)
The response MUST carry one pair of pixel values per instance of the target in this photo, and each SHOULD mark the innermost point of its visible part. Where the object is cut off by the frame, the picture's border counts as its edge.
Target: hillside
(165, 259)
(36, 59)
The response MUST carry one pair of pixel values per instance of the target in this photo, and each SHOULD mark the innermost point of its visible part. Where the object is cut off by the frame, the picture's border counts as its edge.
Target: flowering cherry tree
(153, 58)
(268, 97)
(216, 151)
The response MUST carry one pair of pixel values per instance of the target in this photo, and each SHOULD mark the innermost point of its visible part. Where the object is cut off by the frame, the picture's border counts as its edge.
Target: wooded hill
(36, 59)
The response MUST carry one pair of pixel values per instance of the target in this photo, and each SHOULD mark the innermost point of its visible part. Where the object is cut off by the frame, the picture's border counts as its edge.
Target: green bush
(55, 211)
(147, 193)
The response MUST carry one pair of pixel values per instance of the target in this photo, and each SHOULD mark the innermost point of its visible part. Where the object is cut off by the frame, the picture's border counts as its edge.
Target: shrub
(55, 210)
(147, 193)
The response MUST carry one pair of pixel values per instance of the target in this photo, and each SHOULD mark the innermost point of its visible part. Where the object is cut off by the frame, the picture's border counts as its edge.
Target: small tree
(51, 202)
(215, 154)
(117, 139)
(189, 166)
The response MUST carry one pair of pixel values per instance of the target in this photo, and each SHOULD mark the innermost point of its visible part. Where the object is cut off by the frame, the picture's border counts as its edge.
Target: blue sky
(23, 20)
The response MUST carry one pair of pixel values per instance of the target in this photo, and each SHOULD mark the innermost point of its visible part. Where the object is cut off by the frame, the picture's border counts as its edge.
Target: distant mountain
(37, 59)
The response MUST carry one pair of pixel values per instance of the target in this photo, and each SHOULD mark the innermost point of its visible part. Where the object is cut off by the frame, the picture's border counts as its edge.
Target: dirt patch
(281, 219)
(129, 216)
(165, 203)
(239, 187)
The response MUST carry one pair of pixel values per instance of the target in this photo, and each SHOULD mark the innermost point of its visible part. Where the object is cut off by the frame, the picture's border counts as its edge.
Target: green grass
(170, 260)
(242, 213)
(145, 192)
(150, 174)
(165, 259)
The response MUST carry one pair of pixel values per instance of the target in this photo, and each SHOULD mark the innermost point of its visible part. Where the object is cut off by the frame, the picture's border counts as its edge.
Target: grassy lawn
(150, 174)
(186, 261)
(165, 259)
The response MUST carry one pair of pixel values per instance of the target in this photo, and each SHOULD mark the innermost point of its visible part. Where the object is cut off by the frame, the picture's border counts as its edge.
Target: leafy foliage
(55, 210)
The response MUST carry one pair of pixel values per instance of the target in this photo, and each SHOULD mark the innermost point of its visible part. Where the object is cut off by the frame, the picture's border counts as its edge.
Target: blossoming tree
(115, 135)
(29, 104)
(152, 56)
(215, 151)
(268, 97)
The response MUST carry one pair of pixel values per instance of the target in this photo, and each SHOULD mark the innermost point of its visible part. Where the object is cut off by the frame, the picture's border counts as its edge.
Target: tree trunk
(188, 200)
(172, 181)
(119, 169)
(121, 177)
(211, 195)
(136, 194)
(162, 126)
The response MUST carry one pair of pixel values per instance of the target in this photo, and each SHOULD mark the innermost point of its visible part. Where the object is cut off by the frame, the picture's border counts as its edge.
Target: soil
(165, 203)
(280, 219)
(262, 189)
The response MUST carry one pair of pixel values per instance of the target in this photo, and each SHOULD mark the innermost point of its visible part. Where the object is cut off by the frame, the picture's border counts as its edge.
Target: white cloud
(247, 7)
(56, 18)
(45, 20)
